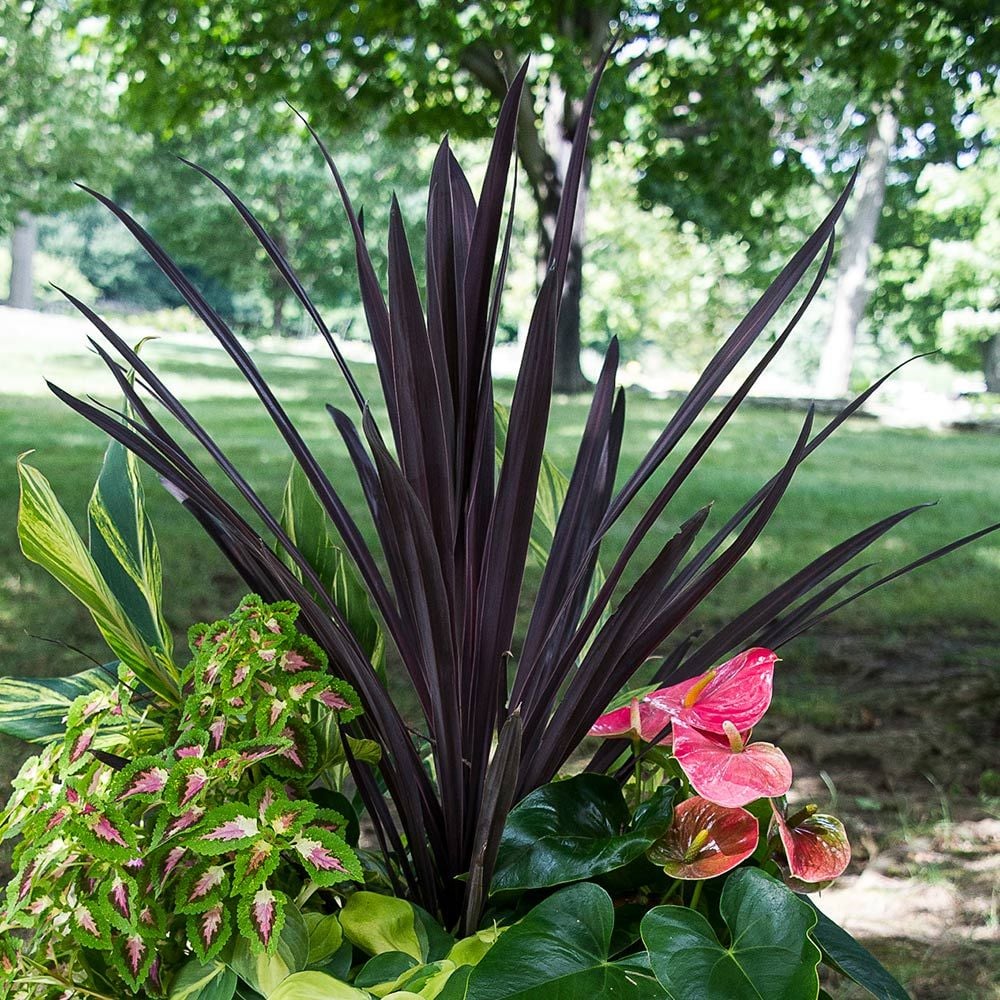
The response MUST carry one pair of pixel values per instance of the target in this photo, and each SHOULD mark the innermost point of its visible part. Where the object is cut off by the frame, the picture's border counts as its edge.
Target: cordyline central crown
(455, 526)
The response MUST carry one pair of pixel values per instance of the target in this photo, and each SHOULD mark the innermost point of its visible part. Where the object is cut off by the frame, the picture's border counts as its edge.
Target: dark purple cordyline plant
(454, 526)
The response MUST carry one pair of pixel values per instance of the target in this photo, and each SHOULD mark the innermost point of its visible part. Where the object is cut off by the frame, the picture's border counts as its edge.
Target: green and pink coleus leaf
(705, 840)
(298, 759)
(737, 691)
(286, 818)
(169, 826)
(727, 769)
(201, 887)
(119, 895)
(254, 865)
(144, 780)
(210, 930)
(227, 828)
(326, 857)
(132, 956)
(814, 845)
(89, 925)
(108, 835)
(261, 916)
(186, 785)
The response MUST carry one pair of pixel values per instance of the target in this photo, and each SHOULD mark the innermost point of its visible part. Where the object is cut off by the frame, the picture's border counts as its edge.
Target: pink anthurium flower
(638, 720)
(815, 845)
(738, 691)
(727, 769)
(704, 840)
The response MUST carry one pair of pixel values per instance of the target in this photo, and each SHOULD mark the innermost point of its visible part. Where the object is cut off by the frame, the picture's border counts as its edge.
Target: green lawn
(863, 473)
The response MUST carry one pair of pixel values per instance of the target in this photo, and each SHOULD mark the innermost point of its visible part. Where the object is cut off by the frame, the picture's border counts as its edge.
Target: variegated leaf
(210, 930)
(326, 857)
(261, 915)
(227, 828)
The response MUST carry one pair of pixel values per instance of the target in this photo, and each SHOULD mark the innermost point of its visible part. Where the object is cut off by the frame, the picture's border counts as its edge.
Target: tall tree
(54, 122)
(698, 88)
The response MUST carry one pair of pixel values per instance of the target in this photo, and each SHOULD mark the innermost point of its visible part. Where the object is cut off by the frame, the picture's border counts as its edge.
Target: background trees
(735, 116)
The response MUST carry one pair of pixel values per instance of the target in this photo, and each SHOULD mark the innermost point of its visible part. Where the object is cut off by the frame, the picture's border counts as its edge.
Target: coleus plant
(453, 502)
(130, 860)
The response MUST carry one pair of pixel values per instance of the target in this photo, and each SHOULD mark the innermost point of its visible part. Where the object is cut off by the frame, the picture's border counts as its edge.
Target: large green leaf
(203, 982)
(847, 956)
(34, 710)
(124, 547)
(48, 538)
(307, 525)
(559, 951)
(573, 830)
(377, 924)
(770, 955)
(315, 986)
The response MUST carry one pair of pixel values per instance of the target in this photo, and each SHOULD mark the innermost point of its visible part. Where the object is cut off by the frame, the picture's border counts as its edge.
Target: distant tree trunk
(22, 251)
(991, 363)
(852, 290)
(559, 127)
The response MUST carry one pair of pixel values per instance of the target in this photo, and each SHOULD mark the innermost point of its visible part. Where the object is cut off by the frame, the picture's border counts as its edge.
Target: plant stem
(696, 895)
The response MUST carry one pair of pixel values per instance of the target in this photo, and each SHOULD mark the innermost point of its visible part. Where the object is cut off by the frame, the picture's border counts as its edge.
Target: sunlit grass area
(865, 472)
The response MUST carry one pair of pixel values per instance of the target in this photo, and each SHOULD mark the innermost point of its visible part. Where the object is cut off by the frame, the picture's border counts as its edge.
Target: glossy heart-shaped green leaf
(770, 955)
(559, 951)
(574, 830)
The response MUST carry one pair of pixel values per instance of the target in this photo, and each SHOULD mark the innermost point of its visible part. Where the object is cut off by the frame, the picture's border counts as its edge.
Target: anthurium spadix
(815, 845)
(737, 691)
(728, 769)
(704, 840)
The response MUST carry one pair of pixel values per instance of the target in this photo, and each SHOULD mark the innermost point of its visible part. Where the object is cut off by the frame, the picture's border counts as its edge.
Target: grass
(864, 472)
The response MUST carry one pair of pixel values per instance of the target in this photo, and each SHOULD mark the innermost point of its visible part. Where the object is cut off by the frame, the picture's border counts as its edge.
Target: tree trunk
(22, 252)
(852, 289)
(991, 363)
(559, 124)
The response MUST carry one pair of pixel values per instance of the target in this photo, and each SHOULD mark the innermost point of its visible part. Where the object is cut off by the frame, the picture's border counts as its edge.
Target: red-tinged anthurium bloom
(738, 691)
(704, 840)
(637, 720)
(727, 769)
(816, 847)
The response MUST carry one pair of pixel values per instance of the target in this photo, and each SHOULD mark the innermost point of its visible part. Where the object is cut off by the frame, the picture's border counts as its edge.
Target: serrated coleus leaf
(299, 757)
(326, 857)
(329, 820)
(210, 930)
(265, 793)
(304, 655)
(108, 835)
(227, 828)
(704, 840)
(78, 741)
(202, 887)
(142, 781)
(640, 719)
(261, 916)
(815, 846)
(186, 785)
(133, 955)
(89, 925)
(271, 716)
(168, 826)
(286, 818)
(120, 893)
(738, 691)
(727, 769)
(254, 865)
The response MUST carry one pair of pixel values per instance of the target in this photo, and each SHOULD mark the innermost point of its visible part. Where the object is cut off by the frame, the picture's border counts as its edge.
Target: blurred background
(724, 132)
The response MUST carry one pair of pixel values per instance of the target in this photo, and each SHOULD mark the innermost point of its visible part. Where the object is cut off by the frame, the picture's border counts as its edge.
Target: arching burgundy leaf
(639, 719)
(815, 845)
(738, 691)
(728, 770)
(704, 840)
